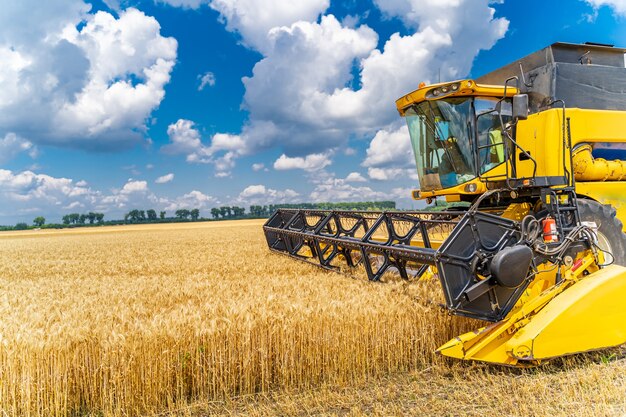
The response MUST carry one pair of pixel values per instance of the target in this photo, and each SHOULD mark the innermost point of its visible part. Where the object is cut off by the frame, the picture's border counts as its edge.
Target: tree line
(268, 210)
(75, 218)
(217, 213)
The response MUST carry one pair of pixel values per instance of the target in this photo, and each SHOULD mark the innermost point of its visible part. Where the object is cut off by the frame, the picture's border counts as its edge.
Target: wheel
(610, 235)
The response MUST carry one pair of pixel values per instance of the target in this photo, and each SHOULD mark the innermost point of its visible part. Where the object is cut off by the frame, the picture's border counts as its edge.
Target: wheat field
(201, 319)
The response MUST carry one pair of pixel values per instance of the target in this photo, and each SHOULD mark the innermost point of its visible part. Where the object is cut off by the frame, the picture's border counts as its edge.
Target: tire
(609, 228)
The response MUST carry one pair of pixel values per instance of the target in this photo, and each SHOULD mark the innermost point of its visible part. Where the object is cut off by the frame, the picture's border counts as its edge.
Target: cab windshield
(455, 139)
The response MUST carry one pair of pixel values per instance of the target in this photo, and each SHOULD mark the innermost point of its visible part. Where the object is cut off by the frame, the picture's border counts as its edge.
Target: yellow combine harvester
(534, 155)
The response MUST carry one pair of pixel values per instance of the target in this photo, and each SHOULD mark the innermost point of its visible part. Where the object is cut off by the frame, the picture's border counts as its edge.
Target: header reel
(482, 267)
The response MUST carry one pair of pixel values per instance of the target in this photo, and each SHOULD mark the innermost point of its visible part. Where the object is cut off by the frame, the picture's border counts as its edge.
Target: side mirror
(520, 106)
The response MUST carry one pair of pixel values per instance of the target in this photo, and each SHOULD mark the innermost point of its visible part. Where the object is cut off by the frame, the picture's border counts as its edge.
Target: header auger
(537, 151)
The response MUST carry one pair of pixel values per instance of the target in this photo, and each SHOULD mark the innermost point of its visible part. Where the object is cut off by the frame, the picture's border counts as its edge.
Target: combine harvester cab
(536, 251)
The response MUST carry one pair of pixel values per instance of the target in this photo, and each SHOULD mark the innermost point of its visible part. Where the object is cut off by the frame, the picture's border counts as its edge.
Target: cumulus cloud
(253, 19)
(310, 163)
(194, 199)
(338, 189)
(290, 73)
(258, 166)
(26, 192)
(260, 194)
(618, 6)
(390, 148)
(165, 179)
(134, 187)
(355, 177)
(12, 145)
(206, 79)
(387, 174)
(222, 151)
(390, 156)
(314, 110)
(79, 79)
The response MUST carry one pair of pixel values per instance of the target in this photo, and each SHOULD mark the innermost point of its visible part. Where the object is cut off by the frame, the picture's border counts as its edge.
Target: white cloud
(134, 187)
(184, 138)
(222, 152)
(253, 19)
(253, 190)
(618, 6)
(390, 148)
(258, 167)
(390, 156)
(355, 177)
(206, 79)
(337, 189)
(290, 74)
(79, 79)
(194, 199)
(24, 193)
(12, 145)
(27, 188)
(165, 178)
(310, 163)
(74, 205)
(387, 174)
(259, 194)
(313, 110)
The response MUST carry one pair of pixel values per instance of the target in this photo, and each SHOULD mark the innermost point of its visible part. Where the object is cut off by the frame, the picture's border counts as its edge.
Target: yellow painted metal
(590, 315)
(588, 168)
(466, 88)
(613, 193)
(578, 314)
(454, 191)
(516, 211)
(429, 274)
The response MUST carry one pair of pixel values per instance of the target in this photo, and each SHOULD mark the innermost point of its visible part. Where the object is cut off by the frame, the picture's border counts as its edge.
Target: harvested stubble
(124, 321)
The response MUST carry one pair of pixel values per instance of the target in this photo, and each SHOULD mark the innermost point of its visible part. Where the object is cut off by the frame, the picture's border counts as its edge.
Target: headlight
(471, 188)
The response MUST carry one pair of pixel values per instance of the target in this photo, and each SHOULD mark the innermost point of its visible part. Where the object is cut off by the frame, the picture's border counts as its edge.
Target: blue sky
(120, 104)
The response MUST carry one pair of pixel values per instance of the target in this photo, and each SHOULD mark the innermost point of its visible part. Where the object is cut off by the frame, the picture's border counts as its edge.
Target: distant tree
(142, 215)
(82, 218)
(224, 211)
(162, 215)
(99, 217)
(151, 214)
(215, 212)
(238, 211)
(66, 219)
(195, 214)
(74, 218)
(183, 214)
(133, 216)
(92, 217)
(21, 226)
(39, 221)
(257, 211)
